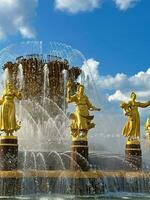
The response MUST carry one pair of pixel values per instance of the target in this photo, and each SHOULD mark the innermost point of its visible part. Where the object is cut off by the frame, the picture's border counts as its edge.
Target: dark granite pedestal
(79, 155)
(133, 154)
(8, 153)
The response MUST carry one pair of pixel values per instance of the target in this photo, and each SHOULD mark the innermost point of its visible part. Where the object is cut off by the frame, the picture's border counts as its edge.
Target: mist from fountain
(46, 81)
(5, 77)
(39, 130)
(65, 78)
(20, 77)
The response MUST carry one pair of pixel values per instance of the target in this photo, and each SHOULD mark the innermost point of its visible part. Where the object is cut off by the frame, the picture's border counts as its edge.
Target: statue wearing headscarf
(8, 122)
(81, 118)
(132, 127)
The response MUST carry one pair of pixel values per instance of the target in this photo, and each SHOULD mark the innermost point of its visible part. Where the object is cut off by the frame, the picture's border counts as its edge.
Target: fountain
(44, 157)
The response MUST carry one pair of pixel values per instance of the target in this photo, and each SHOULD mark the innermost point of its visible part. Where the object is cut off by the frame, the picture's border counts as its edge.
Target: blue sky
(118, 38)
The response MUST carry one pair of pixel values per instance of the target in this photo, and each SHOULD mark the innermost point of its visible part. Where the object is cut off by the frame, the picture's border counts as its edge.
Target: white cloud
(15, 16)
(118, 96)
(90, 67)
(125, 4)
(122, 81)
(125, 96)
(110, 82)
(26, 32)
(75, 6)
(141, 79)
(120, 86)
(119, 81)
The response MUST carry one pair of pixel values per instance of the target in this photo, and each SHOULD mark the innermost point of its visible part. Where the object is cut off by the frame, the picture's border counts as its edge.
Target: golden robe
(83, 106)
(132, 127)
(8, 121)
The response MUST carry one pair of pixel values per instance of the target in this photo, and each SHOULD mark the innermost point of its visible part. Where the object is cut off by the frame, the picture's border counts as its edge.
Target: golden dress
(83, 106)
(8, 121)
(132, 127)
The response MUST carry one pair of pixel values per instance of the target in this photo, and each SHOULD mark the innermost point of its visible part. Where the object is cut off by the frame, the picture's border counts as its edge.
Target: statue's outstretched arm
(91, 107)
(143, 105)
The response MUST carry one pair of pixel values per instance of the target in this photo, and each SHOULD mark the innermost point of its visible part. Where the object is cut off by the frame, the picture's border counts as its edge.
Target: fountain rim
(93, 174)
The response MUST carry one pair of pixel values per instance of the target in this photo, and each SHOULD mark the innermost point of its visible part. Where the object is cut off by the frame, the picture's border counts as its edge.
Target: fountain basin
(72, 182)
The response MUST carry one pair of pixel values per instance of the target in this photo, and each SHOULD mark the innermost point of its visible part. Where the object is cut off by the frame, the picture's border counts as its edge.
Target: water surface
(117, 196)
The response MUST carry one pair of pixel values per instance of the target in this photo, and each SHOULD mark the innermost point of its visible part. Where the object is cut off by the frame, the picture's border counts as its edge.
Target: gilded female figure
(8, 122)
(147, 125)
(147, 128)
(132, 127)
(81, 118)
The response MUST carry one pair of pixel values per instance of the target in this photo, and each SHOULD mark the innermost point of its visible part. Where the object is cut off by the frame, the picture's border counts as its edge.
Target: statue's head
(133, 95)
(9, 85)
(80, 89)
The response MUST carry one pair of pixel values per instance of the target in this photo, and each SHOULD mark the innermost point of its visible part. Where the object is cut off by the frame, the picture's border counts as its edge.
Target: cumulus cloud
(90, 68)
(141, 79)
(119, 96)
(124, 96)
(118, 87)
(26, 32)
(75, 6)
(125, 4)
(138, 81)
(15, 16)
(110, 82)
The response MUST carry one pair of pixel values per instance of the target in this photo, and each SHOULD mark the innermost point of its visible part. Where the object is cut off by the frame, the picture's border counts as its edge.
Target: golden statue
(147, 128)
(80, 119)
(8, 122)
(131, 129)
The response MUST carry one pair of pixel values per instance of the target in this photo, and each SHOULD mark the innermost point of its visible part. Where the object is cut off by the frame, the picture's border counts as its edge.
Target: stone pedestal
(8, 153)
(133, 154)
(79, 155)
